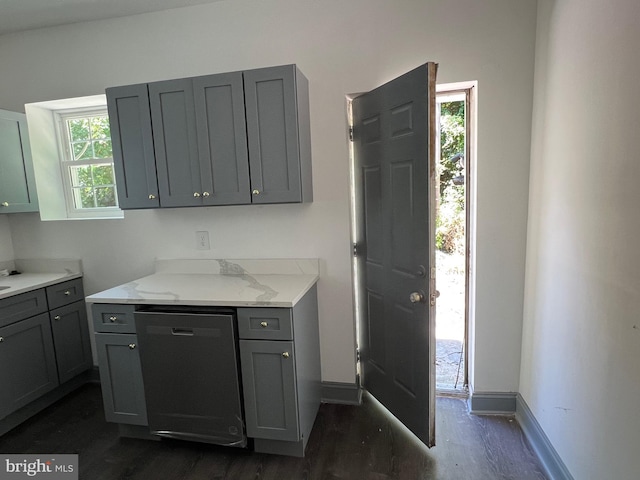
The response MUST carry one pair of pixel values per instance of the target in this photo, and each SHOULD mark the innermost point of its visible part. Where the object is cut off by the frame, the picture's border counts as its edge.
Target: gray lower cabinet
(119, 364)
(225, 139)
(280, 365)
(44, 342)
(71, 338)
(270, 395)
(121, 378)
(27, 363)
(17, 180)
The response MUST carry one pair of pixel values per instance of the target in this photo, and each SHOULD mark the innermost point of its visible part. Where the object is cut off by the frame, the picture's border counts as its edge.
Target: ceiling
(18, 15)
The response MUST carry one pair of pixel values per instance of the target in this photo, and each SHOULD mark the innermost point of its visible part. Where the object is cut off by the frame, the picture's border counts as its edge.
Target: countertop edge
(37, 286)
(206, 302)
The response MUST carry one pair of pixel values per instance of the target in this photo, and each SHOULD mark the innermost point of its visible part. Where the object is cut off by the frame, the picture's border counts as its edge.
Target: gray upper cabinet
(174, 132)
(277, 109)
(17, 180)
(225, 139)
(222, 139)
(132, 143)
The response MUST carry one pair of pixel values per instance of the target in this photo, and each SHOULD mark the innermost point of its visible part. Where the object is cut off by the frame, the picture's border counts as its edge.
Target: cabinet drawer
(265, 323)
(19, 307)
(65, 293)
(110, 318)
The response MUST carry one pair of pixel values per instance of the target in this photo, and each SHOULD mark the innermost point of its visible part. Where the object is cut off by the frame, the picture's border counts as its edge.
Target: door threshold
(450, 392)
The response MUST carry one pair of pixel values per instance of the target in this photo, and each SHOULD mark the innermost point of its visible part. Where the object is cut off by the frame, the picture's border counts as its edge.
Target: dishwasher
(189, 358)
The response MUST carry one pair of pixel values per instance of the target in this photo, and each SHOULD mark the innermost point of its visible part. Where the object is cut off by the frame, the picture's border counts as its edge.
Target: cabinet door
(71, 340)
(272, 132)
(222, 139)
(269, 382)
(174, 133)
(17, 180)
(27, 363)
(121, 378)
(132, 143)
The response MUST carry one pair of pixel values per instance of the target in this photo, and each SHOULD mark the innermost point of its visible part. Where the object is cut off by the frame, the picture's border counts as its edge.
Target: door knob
(132, 346)
(5, 204)
(152, 196)
(416, 297)
(256, 192)
(205, 194)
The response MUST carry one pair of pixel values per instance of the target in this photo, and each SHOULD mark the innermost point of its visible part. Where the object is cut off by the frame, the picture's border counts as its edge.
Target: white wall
(6, 243)
(342, 47)
(581, 338)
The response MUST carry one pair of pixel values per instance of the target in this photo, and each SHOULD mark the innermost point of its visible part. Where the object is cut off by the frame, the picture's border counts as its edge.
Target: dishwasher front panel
(191, 379)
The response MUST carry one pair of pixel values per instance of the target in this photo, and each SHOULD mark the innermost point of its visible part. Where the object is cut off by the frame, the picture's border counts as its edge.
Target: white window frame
(66, 161)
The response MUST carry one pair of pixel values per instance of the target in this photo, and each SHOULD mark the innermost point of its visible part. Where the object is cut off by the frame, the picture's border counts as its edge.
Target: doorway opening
(452, 238)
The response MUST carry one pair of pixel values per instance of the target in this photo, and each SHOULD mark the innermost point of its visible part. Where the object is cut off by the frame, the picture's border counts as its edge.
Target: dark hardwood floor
(347, 442)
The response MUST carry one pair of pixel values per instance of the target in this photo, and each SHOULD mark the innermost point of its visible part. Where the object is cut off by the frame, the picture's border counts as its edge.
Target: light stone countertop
(38, 274)
(230, 283)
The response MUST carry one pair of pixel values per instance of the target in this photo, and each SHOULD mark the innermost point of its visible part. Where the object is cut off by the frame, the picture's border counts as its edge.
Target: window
(87, 163)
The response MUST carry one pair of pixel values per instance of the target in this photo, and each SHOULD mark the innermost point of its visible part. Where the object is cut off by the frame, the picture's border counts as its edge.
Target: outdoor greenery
(450, 220)
(92, 180)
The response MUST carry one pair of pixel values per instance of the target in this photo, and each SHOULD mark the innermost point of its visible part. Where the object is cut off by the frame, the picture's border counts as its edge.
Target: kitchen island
(274, 342)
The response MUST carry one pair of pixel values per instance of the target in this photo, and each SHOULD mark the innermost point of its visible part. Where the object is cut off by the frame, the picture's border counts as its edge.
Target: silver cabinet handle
(264, 324)
(416, 297)
(196, 194)
(285, 354)
(5, 204)
(113, 318)
(132, 346)
(256, 192)
(1, 339)
(57, 317)
(67, 293)
(205, 194)
(152, 196)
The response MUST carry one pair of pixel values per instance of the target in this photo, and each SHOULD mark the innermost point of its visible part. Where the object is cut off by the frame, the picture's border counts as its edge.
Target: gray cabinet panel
(17, 180)
(27, 363)
(121, 378)
(174, 132)
(132, 142)
(109, 318)
(265, 323)
(71, 340)
(222, 139)
(64, 293)
(24, 305)
(269, 382)
(273, 131)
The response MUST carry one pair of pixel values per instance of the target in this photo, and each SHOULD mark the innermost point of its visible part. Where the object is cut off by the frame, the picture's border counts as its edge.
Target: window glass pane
(105, 197)
(103, 175)
(102, 149)
(83, 197)
(82, 151)
(78, 129)
(81, 176)
(100, 128)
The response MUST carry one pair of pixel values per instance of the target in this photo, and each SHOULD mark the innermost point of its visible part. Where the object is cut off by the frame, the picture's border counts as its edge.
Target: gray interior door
(394, 140)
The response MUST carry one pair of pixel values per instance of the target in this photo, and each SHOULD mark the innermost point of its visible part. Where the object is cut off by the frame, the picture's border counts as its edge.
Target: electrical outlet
(202, 241)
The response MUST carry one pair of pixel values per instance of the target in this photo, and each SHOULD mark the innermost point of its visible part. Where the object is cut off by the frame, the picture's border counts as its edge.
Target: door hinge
(358, 355)
(354, 249)
(351, 134)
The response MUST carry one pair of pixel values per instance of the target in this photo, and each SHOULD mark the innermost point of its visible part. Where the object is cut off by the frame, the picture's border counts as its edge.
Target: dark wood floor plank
(347, 443)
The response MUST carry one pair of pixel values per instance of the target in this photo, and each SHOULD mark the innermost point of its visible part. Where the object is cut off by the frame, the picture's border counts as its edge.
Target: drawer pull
(132, 346)
(1, 339)
(67, 293)
(113, 318)
(285, 354)
(264, 324)
(57, 317)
